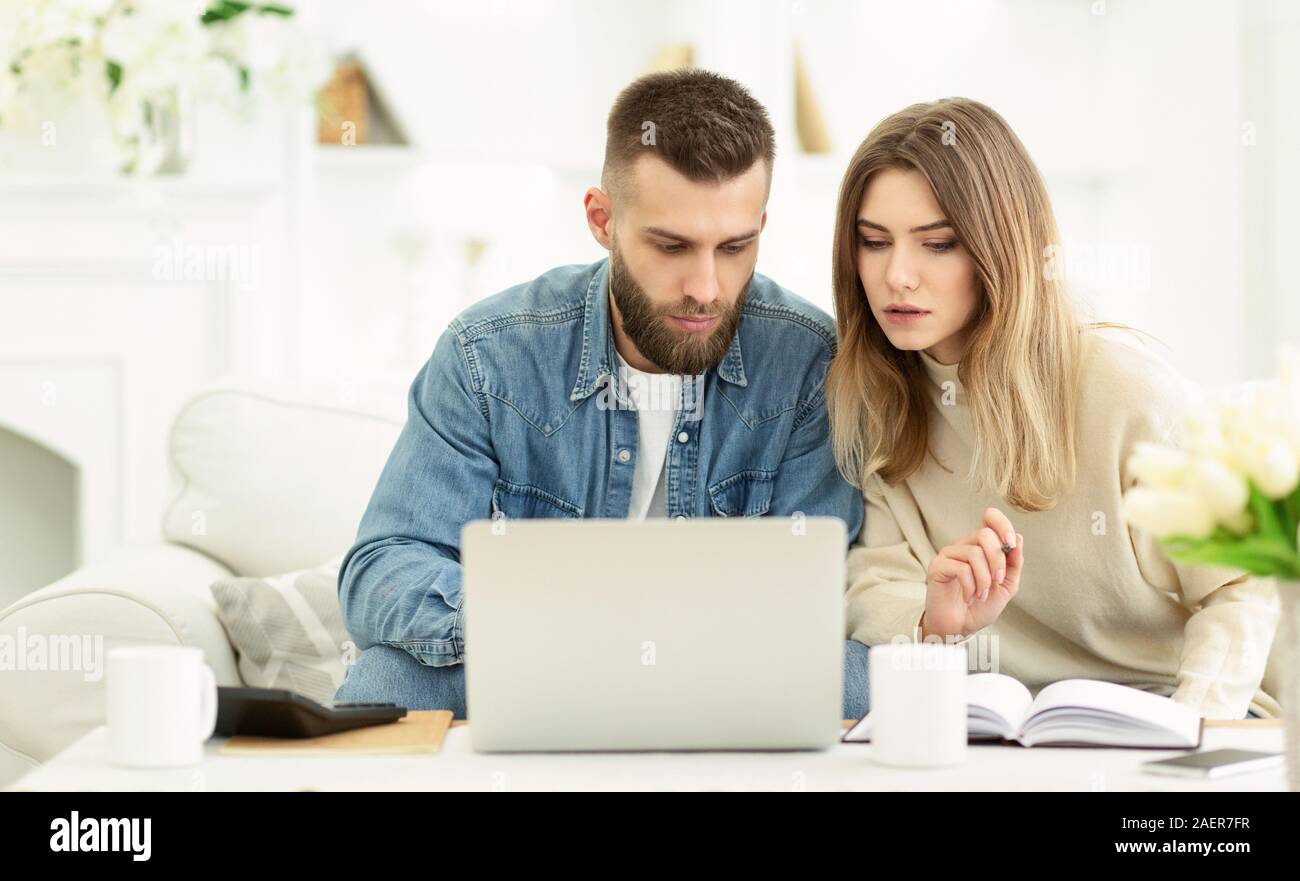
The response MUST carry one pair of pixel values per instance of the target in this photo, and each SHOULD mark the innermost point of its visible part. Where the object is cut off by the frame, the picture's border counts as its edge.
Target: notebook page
(1108, 696)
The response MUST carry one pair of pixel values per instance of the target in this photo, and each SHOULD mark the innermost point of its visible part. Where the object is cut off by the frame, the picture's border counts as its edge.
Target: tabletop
(84, 766)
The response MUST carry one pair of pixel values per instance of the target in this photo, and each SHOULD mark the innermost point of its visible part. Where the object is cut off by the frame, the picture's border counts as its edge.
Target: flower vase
(165, 141)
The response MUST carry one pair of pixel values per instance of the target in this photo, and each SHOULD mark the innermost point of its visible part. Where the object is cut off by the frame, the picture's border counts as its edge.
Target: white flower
(161, 47)
(51, 21)
(1166, 513)
(1159, 466)
(1241, 523)
(1203, 431)
(156, 51)
(1273, 467)
(1223, 491)
(1250, 442)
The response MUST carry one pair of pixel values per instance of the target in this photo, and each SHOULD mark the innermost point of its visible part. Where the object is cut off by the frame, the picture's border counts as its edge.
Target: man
(537, 401)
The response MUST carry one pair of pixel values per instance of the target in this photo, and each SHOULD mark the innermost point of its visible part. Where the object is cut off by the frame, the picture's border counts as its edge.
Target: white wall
(1134, 112)
(1269, 224)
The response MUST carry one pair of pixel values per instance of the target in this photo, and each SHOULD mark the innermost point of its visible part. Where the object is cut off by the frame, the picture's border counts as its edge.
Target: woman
(989, 430)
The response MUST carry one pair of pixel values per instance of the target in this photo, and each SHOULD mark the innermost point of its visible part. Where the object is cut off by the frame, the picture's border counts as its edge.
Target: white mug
(918, 704)
(162, 705)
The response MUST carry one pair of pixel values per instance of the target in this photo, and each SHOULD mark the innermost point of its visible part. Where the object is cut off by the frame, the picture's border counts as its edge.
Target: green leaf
(1291, 516)
(223, 10)
(275, 10)
(1257, 554)
(1267, 521)
(114, 72)
(243, 78)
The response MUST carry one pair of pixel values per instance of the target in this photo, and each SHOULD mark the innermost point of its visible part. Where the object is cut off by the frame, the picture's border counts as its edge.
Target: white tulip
(1222, 490)
(1159, 466)
(1273, 466)
(1243, 429)
(1288, 428)
(1166, 513)
(1241, 523)
(1203, 430)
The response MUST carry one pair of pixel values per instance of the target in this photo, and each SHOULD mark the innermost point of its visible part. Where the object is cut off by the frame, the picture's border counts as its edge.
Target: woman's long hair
(1020, 368)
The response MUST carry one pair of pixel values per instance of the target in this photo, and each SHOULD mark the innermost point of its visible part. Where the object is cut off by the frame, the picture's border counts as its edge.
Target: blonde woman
(989, 429)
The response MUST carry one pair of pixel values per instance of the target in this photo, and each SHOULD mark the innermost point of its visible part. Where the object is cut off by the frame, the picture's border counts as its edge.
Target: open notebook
(1072, 712)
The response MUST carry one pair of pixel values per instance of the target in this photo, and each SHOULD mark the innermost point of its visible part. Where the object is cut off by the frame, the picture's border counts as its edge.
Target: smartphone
(1216, 763)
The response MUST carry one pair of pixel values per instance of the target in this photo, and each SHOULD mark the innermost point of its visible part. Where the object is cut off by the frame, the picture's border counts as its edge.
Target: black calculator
(278, 712)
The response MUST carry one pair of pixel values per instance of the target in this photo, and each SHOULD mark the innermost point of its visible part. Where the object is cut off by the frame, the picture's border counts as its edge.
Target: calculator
(278, 712)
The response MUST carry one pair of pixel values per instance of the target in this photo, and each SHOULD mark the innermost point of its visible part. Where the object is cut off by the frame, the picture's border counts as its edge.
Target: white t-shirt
(657, 398)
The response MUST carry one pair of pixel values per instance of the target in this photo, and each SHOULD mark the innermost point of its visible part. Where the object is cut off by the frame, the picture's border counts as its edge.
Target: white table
(84, 766)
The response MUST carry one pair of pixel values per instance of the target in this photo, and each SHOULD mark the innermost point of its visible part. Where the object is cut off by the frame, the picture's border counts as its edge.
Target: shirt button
(624, 455)
(683, 437)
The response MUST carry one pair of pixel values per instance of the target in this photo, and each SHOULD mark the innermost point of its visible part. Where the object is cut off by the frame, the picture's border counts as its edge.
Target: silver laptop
(704, 634)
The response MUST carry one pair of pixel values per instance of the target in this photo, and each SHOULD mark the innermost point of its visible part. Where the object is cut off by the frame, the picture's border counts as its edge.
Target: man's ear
(600, 216)
(762, 221)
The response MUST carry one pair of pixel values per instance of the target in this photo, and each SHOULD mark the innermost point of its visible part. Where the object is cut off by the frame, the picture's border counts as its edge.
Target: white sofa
(264, 480)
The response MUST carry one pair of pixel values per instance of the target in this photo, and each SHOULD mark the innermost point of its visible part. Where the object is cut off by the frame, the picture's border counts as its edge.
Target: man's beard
(650, 330)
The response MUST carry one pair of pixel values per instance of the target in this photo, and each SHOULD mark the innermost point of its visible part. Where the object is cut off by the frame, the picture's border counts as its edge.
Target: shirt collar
(598, 353)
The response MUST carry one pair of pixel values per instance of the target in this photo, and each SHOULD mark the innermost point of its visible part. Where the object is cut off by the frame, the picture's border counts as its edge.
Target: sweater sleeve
(1226, 640)
(886, 578)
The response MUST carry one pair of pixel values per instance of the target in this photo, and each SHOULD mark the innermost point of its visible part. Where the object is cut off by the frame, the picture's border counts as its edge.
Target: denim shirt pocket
(743, 494)
(527, 502)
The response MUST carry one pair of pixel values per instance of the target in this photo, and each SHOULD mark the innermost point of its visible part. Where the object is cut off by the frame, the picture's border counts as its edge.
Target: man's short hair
(705, 126)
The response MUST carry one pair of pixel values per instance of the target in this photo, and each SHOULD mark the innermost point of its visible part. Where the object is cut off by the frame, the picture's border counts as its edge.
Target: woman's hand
(969, 583)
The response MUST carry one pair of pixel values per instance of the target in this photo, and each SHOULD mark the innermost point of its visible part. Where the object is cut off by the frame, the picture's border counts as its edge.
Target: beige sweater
(1097, 599)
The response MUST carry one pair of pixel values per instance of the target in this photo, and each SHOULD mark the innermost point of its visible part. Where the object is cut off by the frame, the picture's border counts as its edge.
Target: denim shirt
(517, 414)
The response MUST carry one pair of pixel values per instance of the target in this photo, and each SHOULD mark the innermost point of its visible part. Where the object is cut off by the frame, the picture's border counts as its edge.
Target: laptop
(708, 634)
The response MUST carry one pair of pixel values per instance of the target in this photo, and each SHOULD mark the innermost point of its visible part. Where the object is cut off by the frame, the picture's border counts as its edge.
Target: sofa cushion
(287, 629)
(275, 479)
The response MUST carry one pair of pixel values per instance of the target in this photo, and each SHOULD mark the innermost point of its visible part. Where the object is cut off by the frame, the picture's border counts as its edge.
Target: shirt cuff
(1196, 699)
